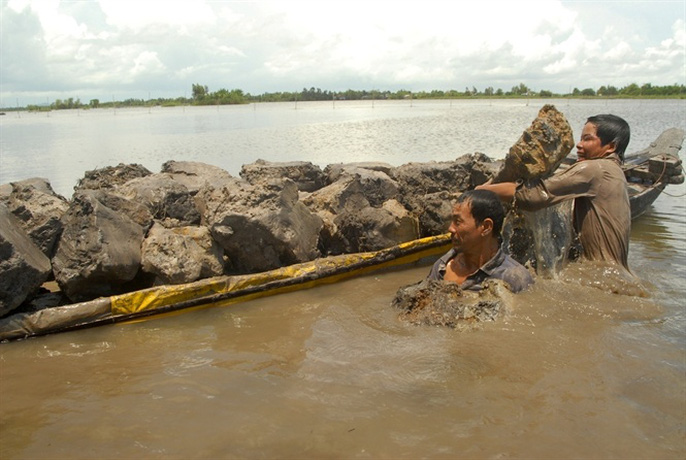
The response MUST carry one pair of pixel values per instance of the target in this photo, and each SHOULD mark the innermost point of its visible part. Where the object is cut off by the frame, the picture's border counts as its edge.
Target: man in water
(596, 183)
(477, 253)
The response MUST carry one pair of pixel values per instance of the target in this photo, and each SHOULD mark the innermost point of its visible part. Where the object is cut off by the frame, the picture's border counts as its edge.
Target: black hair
(611, 128)
(484, 204)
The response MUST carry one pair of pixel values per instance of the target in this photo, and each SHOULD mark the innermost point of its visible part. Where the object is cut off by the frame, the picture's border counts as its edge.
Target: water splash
(541, 239)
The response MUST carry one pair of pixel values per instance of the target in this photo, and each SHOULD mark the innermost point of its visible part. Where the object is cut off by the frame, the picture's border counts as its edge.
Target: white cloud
(679, 29)
(620, 51)
(182, 15)
(18, 5)
(147, 62)
(112, 46)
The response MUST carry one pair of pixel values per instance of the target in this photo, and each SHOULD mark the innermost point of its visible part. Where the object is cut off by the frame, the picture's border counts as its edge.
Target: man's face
(463, 229)
(589, 147)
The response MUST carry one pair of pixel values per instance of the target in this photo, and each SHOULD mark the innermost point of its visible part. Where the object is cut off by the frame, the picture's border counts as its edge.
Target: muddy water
(572, 370)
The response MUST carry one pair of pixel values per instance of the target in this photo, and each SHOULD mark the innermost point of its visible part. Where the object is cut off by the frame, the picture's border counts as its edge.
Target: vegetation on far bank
(201, 95)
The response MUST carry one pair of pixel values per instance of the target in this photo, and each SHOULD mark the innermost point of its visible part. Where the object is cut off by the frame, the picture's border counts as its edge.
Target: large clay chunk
(441, 303)
(540, 149)
(39, 210)
(261, 226)
(360, 211)
(195, 175)
(181, 254)
(306, 176)
(373, 229)
(99, 250)
(23, 267)
(111, 177)
(169, 201)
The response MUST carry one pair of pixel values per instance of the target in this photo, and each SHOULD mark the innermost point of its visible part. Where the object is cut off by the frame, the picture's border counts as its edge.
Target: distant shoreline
(167, 103)
(201, 95)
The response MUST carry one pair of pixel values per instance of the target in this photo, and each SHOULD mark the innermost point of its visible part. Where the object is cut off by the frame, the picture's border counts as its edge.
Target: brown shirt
(602, 215)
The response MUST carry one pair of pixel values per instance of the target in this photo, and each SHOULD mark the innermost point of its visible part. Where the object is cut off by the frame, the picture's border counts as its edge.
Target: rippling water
(571, 371)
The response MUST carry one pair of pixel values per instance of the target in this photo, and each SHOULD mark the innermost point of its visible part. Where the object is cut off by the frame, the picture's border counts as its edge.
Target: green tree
(648, 90)
(199, 92)
(401, 94)
(521, 90)
(607, 91)
(224, 97)
(631, 90)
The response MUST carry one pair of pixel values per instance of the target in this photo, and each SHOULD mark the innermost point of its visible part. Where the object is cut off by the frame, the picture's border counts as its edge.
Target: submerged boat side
(218, 291)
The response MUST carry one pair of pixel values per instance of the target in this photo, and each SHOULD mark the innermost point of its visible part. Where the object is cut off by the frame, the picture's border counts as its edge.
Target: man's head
(612, 131)
(477, 216)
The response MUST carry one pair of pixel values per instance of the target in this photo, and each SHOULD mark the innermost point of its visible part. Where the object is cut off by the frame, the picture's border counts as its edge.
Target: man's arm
(504, 190)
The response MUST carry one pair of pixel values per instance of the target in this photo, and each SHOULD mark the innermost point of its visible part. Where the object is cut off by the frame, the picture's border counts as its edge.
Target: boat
(648, 173)
(212, 292)
(650, 170)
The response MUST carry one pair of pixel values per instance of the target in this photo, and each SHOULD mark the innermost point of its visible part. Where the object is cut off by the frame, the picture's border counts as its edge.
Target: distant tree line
(201, 95)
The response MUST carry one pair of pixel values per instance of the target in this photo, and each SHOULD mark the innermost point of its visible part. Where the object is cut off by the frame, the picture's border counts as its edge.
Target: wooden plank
(665, 164)
(667, 143)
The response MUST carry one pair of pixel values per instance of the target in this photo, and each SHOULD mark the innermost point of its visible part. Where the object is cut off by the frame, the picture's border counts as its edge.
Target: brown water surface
(576, 368)
(568, 371)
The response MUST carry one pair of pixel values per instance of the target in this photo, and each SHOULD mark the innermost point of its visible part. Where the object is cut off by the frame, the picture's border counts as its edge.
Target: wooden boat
(648, 173)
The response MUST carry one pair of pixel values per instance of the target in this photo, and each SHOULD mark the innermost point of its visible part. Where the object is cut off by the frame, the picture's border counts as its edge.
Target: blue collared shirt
(501, 266)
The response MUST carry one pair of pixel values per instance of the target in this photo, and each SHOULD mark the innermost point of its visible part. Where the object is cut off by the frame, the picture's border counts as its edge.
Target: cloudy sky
(158, 48)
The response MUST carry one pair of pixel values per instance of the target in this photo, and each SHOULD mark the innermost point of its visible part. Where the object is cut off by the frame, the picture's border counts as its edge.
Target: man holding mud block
(477, 253)
(596, 183)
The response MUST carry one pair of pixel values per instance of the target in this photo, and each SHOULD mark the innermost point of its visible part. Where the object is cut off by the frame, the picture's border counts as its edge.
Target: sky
(120, 49)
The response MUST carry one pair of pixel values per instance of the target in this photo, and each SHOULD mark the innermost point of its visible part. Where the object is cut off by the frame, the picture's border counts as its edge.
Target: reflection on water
(62, 145)
(571, 370)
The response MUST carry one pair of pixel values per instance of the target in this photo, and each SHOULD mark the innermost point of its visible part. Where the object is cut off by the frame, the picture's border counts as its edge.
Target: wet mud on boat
(648, 173)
